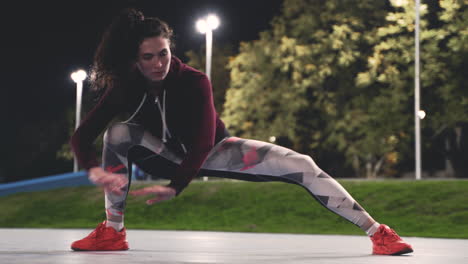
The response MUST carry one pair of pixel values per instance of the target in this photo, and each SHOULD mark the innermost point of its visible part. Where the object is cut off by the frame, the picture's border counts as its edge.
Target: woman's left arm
(202, 115)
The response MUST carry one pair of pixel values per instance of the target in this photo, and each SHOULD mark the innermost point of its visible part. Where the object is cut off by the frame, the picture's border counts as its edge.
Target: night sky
(44, 41)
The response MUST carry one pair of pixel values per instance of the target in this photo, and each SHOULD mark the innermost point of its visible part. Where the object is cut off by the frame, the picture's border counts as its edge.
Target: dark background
(45, 41)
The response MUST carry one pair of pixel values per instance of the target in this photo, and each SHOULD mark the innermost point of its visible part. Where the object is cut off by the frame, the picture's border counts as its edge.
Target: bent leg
(119, 141)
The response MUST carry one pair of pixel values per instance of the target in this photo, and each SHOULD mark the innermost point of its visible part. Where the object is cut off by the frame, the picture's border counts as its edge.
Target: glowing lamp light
(202, 26)
(212, 21)
(78, 76)
(421, 114)
(208, 23)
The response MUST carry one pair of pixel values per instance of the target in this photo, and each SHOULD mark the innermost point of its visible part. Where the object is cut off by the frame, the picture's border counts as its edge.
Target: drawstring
(162, 109)
(165, 129)
(138, 109)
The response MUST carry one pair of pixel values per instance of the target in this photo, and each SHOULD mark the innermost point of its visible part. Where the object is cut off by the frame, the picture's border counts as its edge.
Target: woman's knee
(306, 163)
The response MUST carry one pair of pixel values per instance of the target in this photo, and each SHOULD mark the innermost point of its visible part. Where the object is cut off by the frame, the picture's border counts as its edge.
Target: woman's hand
(112, 182)
(162, 193)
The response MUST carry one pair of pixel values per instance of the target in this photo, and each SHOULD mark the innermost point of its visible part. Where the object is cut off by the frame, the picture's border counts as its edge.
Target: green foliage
(65, 151)
(390, 74)
(296, 80)
(338, 76)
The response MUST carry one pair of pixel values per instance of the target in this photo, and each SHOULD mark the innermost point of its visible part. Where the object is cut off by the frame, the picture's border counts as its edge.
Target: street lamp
(78, 77)
(206, 26)
(417, 126)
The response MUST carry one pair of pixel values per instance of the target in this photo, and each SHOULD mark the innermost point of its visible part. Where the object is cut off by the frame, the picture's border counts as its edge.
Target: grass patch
(414, 208)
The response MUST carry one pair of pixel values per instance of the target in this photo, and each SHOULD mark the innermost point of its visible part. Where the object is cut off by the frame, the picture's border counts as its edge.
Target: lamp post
(206, 26)
(78, 77)
(417, 110)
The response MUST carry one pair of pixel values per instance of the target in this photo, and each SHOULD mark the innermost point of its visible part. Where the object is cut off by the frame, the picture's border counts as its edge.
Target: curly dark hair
(118, 49)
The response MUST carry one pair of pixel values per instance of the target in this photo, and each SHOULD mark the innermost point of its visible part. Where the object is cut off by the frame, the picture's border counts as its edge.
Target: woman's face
(154, 58)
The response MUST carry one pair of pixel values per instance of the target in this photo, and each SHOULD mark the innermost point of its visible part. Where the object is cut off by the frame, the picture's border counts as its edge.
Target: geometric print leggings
(236, 158)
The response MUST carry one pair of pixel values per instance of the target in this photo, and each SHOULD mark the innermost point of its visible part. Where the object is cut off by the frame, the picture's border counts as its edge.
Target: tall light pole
(78, 77)
(417, 117)
(206, 26)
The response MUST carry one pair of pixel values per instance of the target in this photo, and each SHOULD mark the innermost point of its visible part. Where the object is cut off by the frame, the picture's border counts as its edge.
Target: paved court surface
(52, 246)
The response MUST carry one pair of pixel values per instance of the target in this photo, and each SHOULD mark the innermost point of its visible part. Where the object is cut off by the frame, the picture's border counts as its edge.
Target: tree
(390, 71)
(338, 77)
(295, 81)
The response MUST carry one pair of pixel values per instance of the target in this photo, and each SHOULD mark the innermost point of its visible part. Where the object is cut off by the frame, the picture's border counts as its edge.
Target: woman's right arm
(91, 126)
(82, 141)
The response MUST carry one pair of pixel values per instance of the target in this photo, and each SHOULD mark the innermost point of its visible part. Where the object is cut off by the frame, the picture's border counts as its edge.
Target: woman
(173, 130)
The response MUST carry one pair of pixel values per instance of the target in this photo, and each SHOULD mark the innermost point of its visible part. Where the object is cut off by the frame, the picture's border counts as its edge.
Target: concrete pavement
(53, 246)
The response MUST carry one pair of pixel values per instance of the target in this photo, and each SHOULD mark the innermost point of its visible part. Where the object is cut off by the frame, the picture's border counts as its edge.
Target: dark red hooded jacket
(190, 117)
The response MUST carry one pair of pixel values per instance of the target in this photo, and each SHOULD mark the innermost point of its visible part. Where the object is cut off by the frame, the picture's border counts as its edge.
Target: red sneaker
(102, 239)
(387, 242)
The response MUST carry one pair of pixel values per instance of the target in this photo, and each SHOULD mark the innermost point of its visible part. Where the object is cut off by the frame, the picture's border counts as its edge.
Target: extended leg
(261, 161)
